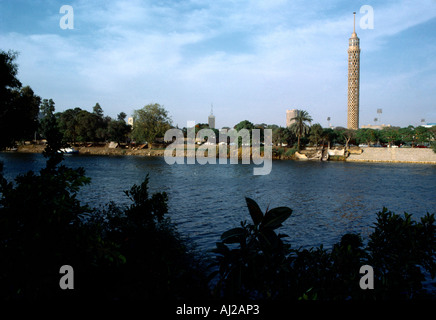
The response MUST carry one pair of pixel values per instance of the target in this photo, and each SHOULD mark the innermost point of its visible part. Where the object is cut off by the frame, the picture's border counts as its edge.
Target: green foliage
(390, 135)
(159, 263)
(116, 253)
(41, 230)
(315, 134)
(118, 130)
(399, 249)
(282, 135)
(19, 105)
(407, 134)
(150, 122)
(300, 128)
(79, 125)
(245, 124)
(367, 136)
(253, 262)
(8, 71)
(255, 266)
(345, 135)
(290, 152)
(278, 152)
(49, 128)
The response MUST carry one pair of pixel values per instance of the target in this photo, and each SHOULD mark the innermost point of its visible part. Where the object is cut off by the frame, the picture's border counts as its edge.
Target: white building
(130, 121)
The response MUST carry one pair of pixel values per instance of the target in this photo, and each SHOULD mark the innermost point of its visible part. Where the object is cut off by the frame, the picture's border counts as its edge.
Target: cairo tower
(353, 79)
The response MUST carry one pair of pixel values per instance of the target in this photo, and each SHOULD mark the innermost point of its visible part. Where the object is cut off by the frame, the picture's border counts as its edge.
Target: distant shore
(365, 154)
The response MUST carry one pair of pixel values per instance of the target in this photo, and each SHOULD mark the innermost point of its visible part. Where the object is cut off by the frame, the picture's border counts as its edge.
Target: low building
(429, 125)
(130, 121)
(376, 126)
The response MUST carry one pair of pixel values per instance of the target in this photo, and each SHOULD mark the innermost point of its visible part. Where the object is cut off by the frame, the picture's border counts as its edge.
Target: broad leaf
(255, 212)
(221, 248)
(268, 240)
(274, 218)
(234, 235)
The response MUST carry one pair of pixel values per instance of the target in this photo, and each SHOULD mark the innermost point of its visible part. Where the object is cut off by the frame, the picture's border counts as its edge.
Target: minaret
(353, 79)
(211, 119)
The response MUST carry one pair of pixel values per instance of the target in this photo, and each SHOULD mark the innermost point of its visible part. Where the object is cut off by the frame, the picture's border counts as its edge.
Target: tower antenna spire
(354, 23)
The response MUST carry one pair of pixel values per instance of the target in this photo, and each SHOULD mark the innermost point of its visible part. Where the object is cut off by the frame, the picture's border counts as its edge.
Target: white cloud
(249, 55)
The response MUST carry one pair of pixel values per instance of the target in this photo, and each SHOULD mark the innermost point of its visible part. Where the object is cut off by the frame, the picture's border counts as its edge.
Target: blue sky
(251, 59)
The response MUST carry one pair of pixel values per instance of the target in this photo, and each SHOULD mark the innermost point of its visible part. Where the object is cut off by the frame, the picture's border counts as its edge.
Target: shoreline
(365, 154)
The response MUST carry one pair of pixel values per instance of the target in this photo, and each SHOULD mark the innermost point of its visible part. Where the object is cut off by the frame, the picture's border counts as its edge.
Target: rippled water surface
(328, 199)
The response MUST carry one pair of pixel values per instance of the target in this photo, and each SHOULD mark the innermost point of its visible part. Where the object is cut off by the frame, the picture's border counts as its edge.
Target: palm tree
(299, 127)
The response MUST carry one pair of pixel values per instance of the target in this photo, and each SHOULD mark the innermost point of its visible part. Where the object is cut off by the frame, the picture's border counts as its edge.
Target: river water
(328, 199)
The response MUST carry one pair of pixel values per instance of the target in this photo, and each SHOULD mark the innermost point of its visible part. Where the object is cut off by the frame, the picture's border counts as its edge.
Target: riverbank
(366, 154)
(395, 155)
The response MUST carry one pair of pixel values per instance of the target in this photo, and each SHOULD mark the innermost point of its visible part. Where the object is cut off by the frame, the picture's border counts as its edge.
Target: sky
(251, 60)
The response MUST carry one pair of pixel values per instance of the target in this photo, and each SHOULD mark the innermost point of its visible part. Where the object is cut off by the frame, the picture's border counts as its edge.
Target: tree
(69, 124)
(278, 134)
(50, 130)
(368, 136)
(299, 127)
(24, 113)
(151, 122)
(98, 110)
(390, 135)
(407, 135)
(245, 124)
(19, 106)
(48, 120)
(88, 126)
(118, 129)
(121, 116)
(432, 131)
(8, 71)
(422, 135)
(315, 134)
(242, 131)
(346, 135)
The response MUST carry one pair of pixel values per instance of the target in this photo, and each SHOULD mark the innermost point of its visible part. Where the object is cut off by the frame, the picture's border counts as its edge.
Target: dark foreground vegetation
(135, 252)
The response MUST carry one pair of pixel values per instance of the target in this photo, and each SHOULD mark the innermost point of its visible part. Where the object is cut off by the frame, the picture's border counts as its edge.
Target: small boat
(68, 150)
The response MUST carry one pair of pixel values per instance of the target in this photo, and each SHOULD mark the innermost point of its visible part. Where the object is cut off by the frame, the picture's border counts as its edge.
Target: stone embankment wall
(404, 155)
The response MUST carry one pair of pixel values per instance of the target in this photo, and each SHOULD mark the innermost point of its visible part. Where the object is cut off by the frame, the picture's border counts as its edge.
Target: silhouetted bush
(116, 253)
(253, 262)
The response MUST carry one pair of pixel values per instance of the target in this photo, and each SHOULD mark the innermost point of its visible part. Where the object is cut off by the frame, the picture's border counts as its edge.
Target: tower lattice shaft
(353, 79)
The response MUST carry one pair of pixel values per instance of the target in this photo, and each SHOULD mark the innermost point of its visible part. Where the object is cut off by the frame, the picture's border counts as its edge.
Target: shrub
(116, 253)
(290, 152)
(400, 249)
(253, 261)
